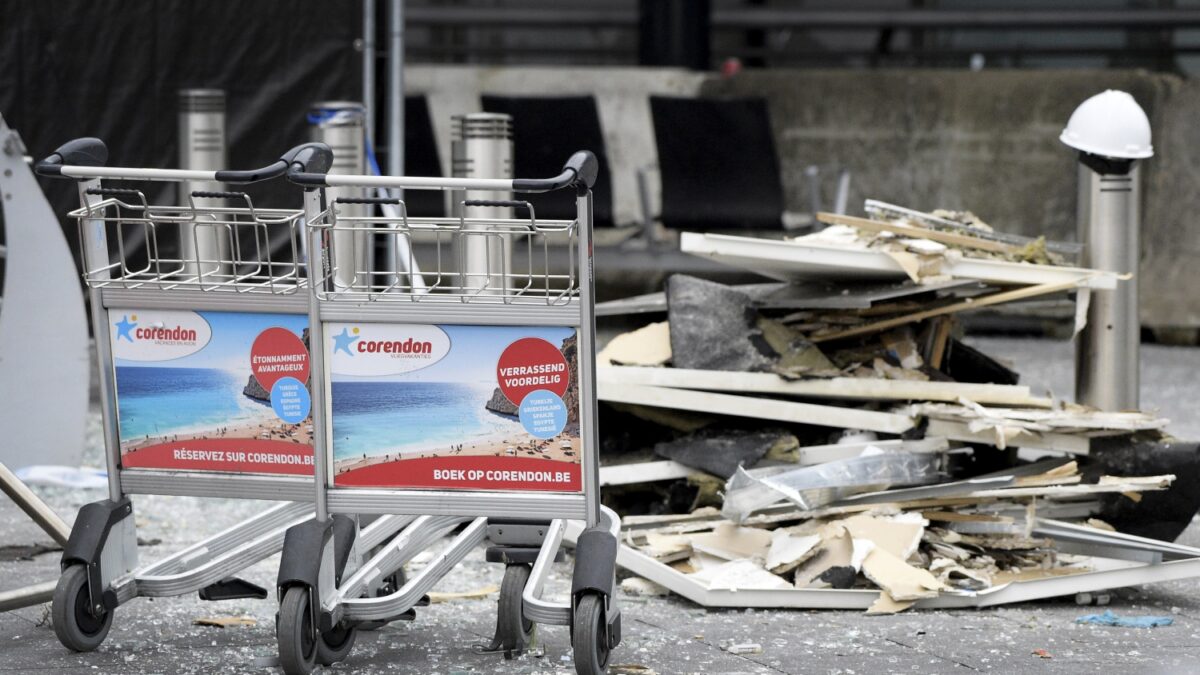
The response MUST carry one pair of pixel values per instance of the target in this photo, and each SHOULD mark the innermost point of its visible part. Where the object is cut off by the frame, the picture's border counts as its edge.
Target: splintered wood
(963, 537)
(839, 419)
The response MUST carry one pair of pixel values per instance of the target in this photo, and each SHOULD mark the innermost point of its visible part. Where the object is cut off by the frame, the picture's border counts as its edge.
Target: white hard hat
(1111, 124)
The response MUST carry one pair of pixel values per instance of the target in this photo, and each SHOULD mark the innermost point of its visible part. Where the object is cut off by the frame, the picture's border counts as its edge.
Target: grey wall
(985, 141)
(988, 142)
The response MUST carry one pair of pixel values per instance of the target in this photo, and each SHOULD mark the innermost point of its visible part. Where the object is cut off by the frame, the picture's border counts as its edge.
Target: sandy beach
(499, 445)
(265, 430)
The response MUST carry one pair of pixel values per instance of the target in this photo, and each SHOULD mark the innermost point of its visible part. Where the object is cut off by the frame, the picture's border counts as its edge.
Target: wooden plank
(950, 238)
(970, 303)
(941, 336)
(959, 431)
(805, 260)
(759, 408)
(643, 472)
(838, 387)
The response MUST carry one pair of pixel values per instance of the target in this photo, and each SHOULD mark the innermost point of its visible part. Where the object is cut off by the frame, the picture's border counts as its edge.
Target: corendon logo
(385, 349)
(395, 347)
(141, 335)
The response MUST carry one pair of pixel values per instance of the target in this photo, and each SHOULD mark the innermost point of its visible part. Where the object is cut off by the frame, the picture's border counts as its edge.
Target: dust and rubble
(830, 441)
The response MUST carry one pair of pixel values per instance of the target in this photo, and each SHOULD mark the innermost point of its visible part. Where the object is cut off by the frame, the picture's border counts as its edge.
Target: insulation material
(647, 346)
(815, 486)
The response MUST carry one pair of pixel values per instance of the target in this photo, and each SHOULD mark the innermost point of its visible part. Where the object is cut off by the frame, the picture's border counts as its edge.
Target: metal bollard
(340, 125)
(1111, 133)
(202, 148)
(482, 147)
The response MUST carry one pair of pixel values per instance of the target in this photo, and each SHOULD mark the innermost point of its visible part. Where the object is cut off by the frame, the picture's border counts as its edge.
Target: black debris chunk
(713, 327)
(722, 453)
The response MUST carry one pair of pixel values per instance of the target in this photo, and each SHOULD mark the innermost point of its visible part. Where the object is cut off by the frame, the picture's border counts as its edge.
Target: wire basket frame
(525, 261)
(243, 249)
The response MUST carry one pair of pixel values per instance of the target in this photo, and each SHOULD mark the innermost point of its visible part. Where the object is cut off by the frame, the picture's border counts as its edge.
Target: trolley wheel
(512, 628)
(297, 646)
(392, 583)
(76, 627)
(335, 645)
(589, 635)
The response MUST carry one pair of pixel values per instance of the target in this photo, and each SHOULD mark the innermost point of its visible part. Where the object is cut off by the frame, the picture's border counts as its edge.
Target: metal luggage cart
(465, 396)
(240, 304)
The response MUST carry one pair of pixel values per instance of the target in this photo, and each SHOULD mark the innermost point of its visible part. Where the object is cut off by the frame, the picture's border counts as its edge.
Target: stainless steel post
(482, 147)
(395, 112)
(1107, 349)
(202, 148)
(368, 65)
(314, 203)
(339, 124)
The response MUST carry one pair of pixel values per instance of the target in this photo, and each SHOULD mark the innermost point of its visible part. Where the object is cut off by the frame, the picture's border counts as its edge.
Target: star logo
(124, 326)
(343, 340)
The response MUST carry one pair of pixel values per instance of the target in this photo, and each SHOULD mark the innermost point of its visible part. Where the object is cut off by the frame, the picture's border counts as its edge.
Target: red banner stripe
(467, 473)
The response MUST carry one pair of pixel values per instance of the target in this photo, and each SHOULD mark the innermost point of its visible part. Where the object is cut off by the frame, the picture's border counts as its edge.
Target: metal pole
(202, 148)
(395, 112)
(35, 508)
(368, 50)
(482, 147)
(339, 124)
(96, 260)
(1107, 349)
(28, 596)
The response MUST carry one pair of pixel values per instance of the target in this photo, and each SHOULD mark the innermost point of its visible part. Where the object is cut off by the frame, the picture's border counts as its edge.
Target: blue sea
(155, 401)
(376, 418)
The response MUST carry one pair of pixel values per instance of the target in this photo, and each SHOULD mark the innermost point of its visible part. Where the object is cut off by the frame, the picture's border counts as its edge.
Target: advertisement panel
(213, 391)
(454, 407)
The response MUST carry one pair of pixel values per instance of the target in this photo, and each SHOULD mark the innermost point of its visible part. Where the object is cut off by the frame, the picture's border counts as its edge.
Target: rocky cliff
(500, 404)
(255, 390)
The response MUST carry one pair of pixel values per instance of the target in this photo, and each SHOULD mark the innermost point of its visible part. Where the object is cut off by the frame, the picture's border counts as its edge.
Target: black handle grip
(79, 152)
(113, 192)
(276, 168)
(367, 200)
(580, 171)
(503, 203)
(205, 194)
(308, 164)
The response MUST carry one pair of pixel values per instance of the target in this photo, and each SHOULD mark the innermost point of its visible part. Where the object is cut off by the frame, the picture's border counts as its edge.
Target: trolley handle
(367, 200)
(579, 172)
(113, 192)
(86, 157)
(502, 203)
(206, 194)
(85, 151)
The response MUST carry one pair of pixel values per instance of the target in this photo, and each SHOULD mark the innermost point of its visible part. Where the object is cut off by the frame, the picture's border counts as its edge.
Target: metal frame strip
(197, 484)
(369, 609)
(198, 300)
(479, 313)
(522, 505)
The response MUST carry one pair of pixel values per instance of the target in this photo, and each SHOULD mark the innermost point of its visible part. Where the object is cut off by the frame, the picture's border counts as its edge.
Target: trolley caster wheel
(392, 583)
(335, 646)
(77, 628)
(295, 634)
(589, 635)
(513, 630)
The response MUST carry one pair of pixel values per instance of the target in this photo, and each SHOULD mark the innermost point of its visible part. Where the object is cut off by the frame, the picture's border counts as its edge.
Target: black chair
(421, 158)
(546, 130)
(718, 164)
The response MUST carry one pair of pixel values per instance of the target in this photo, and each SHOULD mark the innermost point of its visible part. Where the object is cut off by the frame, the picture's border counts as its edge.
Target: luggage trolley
(465, 397)
(177, 420)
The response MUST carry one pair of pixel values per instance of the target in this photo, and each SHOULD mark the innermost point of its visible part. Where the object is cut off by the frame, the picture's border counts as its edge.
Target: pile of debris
(835, 432)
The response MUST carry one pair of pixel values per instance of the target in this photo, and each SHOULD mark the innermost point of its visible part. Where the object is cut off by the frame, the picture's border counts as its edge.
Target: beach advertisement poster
(454, 407)
(213, 391)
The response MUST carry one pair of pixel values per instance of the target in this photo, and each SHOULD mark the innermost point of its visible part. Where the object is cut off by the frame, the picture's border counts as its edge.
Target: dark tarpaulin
(113, 69)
